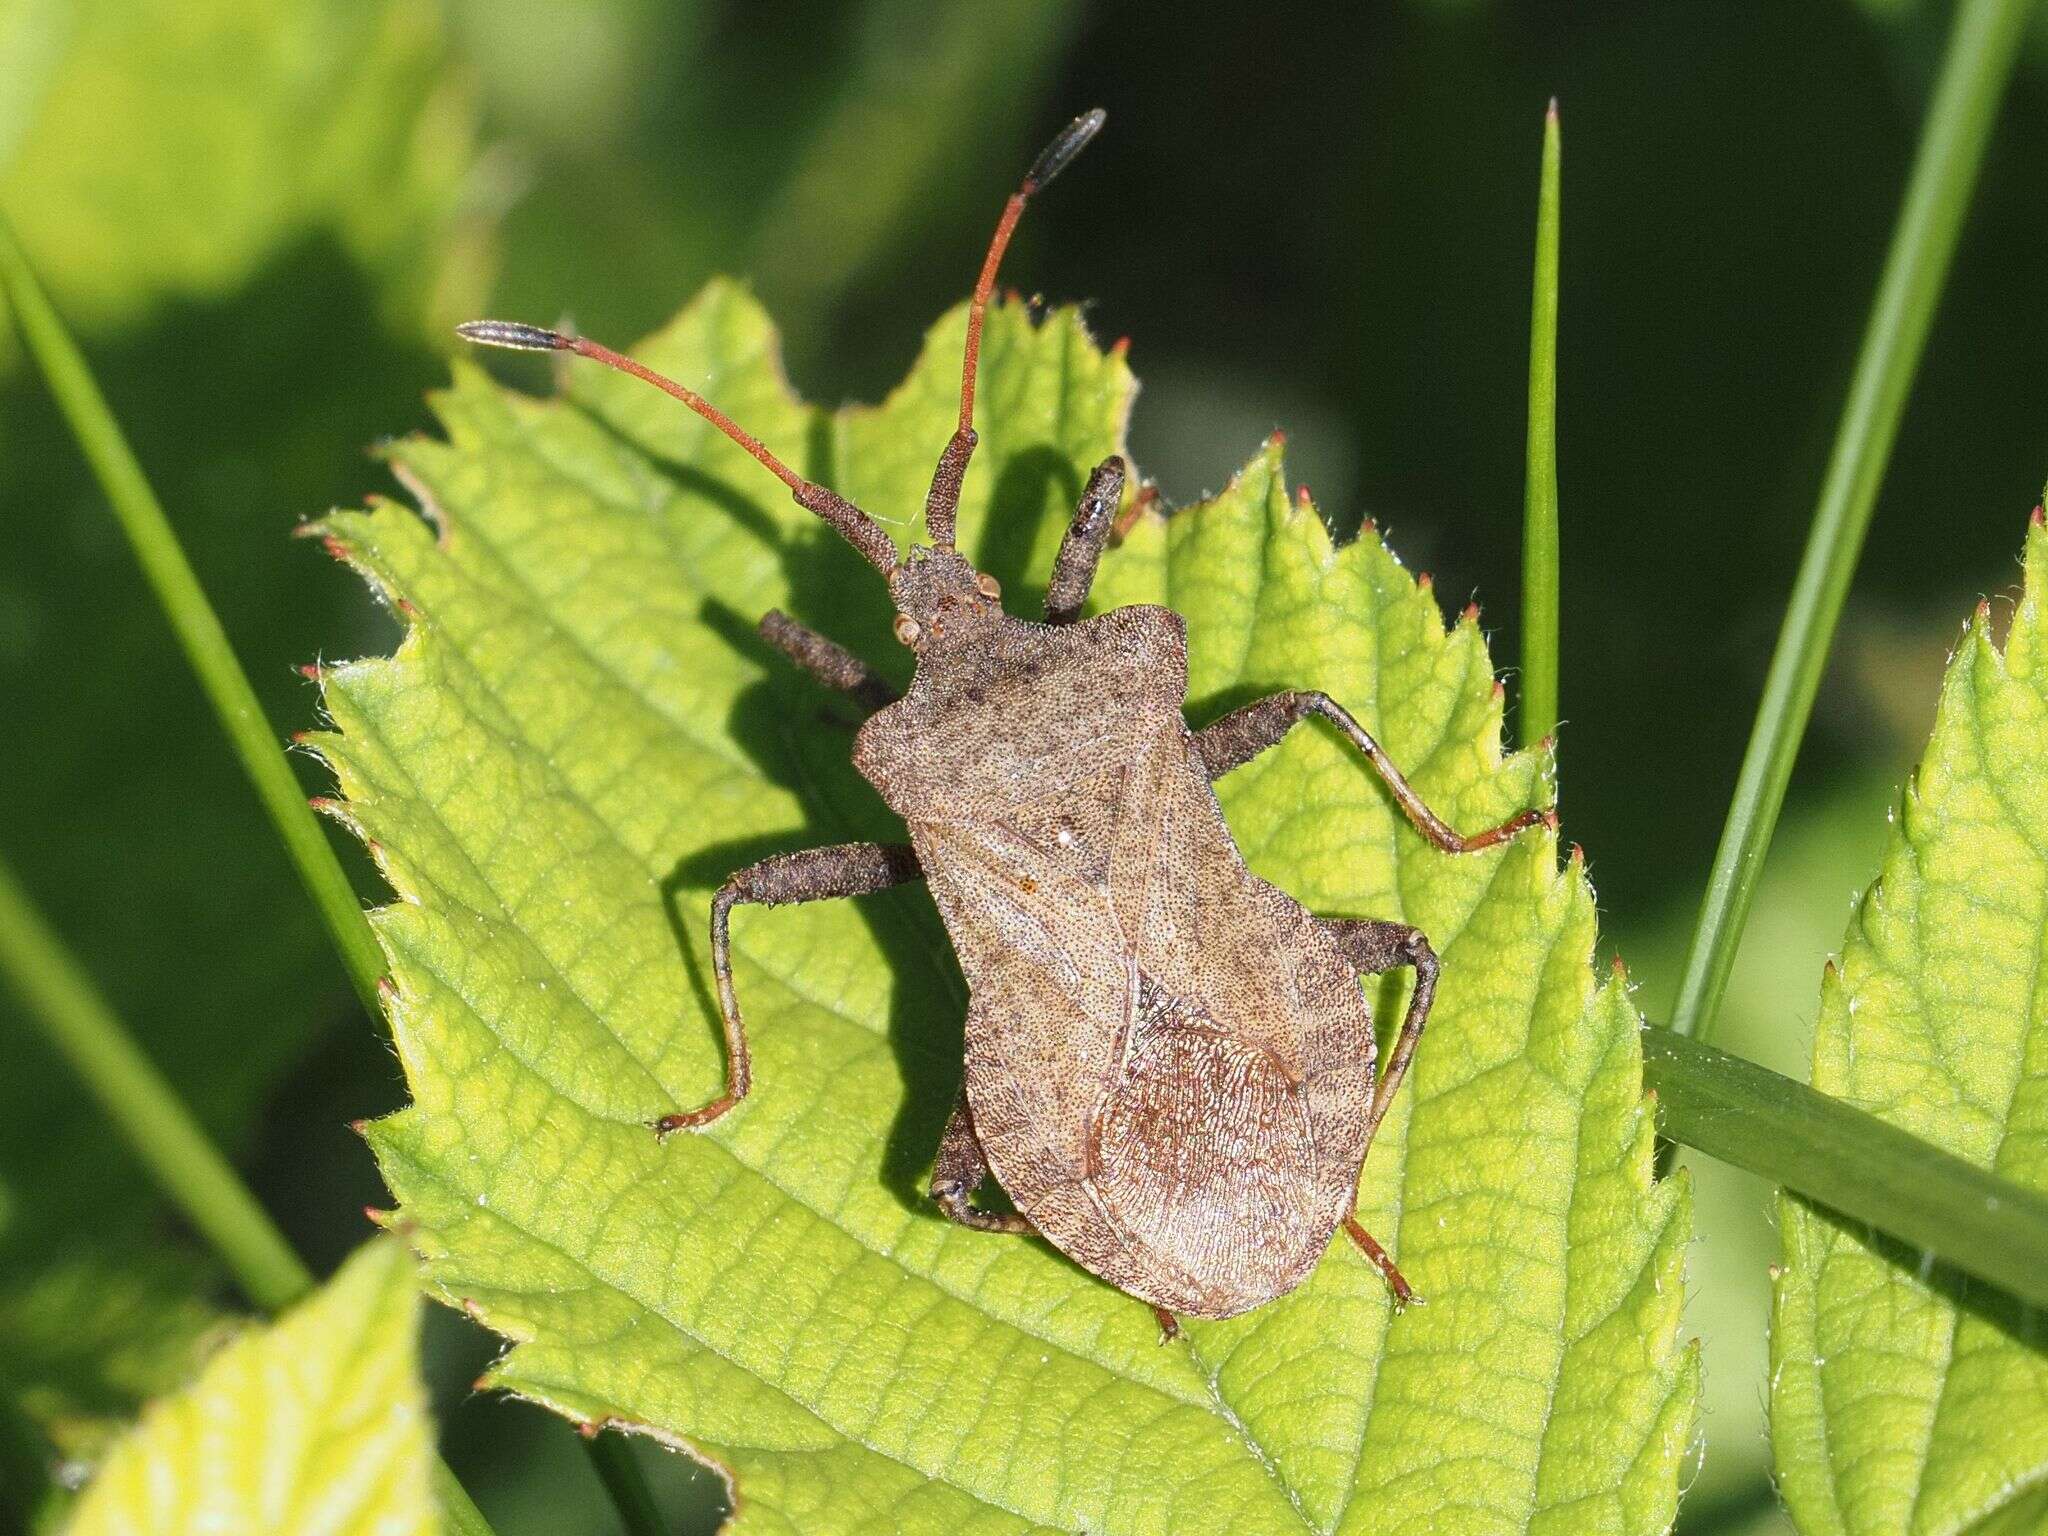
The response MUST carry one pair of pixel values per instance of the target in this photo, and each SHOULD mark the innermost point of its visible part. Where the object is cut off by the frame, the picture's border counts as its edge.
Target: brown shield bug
(1170, 1063)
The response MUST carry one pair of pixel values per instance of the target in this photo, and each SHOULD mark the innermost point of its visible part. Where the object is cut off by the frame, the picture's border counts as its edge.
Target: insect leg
(1374, 946)
(1404, 1293)
(1244, 733)
(844, 869)
(958, 1174)
(1073, 569)
(827, 660)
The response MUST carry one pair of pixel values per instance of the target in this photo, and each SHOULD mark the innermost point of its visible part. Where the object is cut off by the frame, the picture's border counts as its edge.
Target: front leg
(1244, 733)
(1073, 569)
(827, 660)
(845, 869)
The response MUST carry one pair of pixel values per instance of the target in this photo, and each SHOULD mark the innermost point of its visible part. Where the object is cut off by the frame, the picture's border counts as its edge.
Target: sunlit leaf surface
(316, 1424)
(1906, 1396)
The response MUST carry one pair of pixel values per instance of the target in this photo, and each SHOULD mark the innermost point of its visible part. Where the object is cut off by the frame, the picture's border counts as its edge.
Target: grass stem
(1538, 716)
(57, 995)
(192, 619)
(1973, 79)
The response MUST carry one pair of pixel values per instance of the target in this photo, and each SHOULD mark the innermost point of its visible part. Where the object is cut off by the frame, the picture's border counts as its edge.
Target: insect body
(1170, 1067)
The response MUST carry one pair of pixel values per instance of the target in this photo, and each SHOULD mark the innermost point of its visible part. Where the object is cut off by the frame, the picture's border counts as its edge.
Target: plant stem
(27, 1466)
(1973, 78)
(135, 1095)
(1850, 1161)
(191, 617)
(57, 994)
(459, 1514)
(620, 1472)
(1539, 493)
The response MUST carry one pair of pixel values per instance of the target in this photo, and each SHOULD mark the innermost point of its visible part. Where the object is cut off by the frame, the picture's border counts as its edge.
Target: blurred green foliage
(258, 213)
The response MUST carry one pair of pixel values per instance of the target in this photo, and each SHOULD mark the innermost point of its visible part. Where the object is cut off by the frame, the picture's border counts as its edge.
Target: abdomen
(1168, 1061)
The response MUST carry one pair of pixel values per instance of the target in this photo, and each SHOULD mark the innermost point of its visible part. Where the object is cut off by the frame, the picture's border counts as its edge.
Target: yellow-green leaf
(1907, 1397)
(86, 1341)
(315, 1424)
(581, 737)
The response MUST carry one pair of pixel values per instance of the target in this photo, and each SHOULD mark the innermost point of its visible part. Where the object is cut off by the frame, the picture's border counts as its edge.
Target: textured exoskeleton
(1170, 1066)
(1169, 1062)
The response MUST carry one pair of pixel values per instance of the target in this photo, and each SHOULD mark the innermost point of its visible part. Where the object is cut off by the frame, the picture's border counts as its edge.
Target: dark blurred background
(261, 215)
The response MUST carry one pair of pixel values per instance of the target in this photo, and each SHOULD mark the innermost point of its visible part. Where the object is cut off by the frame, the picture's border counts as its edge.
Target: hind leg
(1374, 946)
(959, 1172)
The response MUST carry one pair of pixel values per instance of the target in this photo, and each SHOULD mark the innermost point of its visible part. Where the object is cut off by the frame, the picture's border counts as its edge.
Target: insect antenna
(942, 505)
(841, 515)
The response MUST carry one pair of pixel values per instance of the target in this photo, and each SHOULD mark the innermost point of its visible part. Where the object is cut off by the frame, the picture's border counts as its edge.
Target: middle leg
(812, 874)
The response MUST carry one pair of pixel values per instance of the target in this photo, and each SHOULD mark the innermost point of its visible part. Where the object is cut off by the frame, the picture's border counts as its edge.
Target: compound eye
(988, 586)
(906, 629)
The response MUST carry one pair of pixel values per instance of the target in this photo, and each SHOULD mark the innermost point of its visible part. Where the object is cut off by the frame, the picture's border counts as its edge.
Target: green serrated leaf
(581, 725)
(1907, 1397)
(315, 1424)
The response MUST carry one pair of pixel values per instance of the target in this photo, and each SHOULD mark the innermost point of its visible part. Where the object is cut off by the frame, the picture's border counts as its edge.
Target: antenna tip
(1066, 144)
(510, 333)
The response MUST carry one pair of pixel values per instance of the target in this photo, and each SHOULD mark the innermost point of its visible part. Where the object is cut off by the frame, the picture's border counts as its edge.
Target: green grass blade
(459, 1514)
(1539, 496)
(1973, 78)
(191, 617)
(187, 1166)
(1850, 1161)
(58, 996)
(620, 1472)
